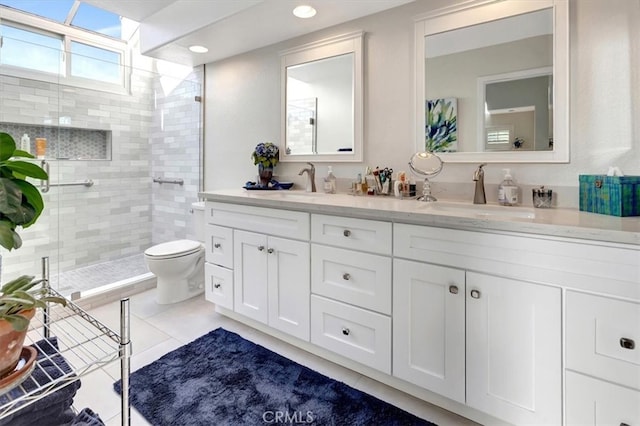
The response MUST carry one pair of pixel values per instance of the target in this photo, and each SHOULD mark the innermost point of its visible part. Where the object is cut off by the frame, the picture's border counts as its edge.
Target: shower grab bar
(45, 185)
(163, 180)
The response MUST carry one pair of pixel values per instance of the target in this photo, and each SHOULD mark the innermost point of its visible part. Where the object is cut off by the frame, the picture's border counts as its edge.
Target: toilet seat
(173, 249)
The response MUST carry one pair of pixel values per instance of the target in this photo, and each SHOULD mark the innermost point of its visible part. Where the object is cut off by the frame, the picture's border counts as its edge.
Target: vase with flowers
(266, 156)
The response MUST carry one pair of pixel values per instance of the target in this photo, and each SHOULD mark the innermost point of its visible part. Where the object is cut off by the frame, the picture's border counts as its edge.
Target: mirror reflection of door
(320, 106)
(517, 113)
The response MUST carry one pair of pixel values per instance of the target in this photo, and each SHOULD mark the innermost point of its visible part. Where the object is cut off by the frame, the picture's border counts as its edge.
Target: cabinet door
(514, 349)
(250, 270)
(289, 286)
(428, 327)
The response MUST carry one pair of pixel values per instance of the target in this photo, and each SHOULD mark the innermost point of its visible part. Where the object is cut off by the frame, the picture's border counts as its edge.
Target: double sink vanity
(500, 314)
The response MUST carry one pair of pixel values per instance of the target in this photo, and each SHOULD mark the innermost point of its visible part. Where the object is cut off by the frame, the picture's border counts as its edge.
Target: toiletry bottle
(25, 143)
(330, 182)
(507, 191)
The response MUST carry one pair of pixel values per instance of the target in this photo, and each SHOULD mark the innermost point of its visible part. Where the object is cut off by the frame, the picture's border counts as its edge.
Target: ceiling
(229, 27)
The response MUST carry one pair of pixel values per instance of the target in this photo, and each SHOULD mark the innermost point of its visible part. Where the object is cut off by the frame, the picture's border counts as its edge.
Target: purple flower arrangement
(266, 153)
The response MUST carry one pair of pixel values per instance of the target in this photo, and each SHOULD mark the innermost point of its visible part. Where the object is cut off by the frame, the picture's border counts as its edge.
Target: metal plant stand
(85, 344)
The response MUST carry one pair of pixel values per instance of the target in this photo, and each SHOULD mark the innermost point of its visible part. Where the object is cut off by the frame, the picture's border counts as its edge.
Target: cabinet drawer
(218, 287)
(219, 243)
(357, 278)
(603, 338)
(358, 234)
(355, 333)
(592, 402)
(282, 223)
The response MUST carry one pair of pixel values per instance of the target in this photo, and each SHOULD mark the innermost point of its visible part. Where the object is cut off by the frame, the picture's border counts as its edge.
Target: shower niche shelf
(64, 143)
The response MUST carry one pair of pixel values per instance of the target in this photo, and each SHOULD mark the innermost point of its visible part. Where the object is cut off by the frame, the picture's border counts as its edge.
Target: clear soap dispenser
(330, 182)
(508, 190)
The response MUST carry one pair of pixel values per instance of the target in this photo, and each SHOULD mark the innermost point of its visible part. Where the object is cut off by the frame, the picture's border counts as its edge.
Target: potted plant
(266, 156)
(19, 300)
(20, 205)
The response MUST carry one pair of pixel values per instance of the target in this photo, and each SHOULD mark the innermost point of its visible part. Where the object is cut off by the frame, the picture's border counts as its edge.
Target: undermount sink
(481, 210)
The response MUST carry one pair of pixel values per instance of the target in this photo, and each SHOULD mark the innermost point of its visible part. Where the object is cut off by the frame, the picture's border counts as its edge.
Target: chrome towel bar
(163, 180)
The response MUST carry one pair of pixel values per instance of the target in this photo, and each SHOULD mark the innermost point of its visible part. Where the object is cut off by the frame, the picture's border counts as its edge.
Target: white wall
(242, 102)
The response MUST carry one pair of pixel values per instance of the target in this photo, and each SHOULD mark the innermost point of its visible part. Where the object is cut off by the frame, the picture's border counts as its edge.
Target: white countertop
(550, 222)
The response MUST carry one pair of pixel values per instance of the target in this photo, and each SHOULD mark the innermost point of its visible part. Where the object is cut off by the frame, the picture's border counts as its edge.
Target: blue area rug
(223, 379)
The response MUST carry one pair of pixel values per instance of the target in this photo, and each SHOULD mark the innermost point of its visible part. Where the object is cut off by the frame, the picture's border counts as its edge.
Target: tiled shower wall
(114, 218)
(175, 143)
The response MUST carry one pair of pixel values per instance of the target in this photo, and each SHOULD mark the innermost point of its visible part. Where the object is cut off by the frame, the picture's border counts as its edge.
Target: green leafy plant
(20, 295)
(266, 153)
(20, 202)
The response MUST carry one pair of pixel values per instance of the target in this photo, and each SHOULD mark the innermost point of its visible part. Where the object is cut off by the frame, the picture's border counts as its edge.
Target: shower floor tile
(98, 275)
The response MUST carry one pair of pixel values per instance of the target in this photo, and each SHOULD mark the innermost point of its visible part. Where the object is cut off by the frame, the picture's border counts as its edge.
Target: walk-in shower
(120, 140)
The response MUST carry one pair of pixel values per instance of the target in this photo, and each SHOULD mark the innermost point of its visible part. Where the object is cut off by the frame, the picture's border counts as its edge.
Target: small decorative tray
(273, 186)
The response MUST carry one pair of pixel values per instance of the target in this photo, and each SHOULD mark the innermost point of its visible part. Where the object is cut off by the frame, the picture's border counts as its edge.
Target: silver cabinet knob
(270, 250)
(217, 245)
(475, 294)
(453, 289)
(345, 331)
(627, 343)
(217, 285)
(346, 276)
(260, 248)
(346, 233)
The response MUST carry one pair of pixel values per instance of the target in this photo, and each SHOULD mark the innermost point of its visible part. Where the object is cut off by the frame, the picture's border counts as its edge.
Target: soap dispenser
(508, 190)
(25, 143)
(330, 182)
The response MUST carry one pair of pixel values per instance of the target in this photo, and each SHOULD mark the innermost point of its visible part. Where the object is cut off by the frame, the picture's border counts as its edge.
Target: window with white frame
(498, 138)
(81, 48)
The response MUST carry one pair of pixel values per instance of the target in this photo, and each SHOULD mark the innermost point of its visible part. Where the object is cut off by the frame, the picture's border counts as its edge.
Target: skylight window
(56, 10)
(98, 20)
(72, 12)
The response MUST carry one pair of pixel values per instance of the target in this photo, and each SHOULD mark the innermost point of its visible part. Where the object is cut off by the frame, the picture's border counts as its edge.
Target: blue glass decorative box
(612, 195)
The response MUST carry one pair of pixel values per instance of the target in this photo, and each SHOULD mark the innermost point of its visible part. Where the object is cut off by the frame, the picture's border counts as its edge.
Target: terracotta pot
(11, 343)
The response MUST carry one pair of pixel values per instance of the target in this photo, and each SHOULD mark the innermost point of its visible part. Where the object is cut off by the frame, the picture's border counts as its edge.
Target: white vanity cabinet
(271, 264)
(491, 342)
(351, 288)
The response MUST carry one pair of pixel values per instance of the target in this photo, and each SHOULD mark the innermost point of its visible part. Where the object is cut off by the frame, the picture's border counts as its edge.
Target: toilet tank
(197, 220)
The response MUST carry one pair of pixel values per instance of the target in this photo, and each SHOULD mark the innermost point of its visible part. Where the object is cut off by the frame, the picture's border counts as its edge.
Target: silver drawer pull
(346, 233)
(217, 245)
(270, 250)
(217, 285)
(260, 248)
(346, 276)
(453, 289)
(345, 331)
(624, 424)
(627, 343)
(475, 294)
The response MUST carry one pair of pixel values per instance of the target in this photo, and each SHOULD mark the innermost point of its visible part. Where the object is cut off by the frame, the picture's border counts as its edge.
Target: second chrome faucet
(311, 177)
(478, 176)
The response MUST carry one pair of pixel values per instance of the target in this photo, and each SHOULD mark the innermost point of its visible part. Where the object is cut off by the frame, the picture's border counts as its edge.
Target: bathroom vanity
(500, 314)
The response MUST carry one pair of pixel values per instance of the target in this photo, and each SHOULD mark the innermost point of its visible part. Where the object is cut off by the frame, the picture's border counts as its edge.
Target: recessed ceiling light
(304, 11)
(198, 49)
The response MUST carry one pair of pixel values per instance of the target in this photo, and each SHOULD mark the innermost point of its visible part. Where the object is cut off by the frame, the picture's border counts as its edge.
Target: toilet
(179, 265)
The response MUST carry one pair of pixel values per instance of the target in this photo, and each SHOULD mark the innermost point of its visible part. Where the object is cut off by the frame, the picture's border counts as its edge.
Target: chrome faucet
(478, 176)
(311, 177)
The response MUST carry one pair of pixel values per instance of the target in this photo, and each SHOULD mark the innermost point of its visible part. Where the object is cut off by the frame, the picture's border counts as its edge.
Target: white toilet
(179, 265)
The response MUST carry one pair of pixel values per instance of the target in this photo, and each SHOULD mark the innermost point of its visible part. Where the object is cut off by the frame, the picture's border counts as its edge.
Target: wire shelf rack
(72, 344)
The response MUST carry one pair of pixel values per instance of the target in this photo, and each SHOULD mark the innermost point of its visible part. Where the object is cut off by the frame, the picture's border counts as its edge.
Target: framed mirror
(321, 100)
(492, 81)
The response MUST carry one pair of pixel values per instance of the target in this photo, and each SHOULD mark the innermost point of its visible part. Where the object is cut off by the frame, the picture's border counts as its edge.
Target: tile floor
(155, 332)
